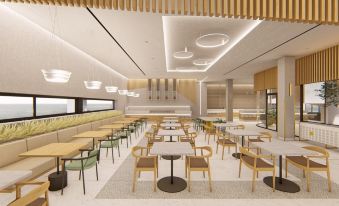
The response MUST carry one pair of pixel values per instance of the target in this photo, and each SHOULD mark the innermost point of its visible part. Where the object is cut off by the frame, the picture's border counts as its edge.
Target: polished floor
(114, 185)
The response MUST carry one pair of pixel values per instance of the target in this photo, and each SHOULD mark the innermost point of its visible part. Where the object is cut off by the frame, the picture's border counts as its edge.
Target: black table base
(168, 157)
(282, 184)
(236, 155)
(178, 184)
(56, 179)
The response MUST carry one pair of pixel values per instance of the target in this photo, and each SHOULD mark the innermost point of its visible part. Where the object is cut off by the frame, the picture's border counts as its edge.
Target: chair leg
(189, 180)
(308, 174)
(240, 167)
(223, 152)
(112, 155)
(106, 151)
(329, 180)
(273, 180)
(286, 170)
(155, 181)
(80, 175)
(83, 180)
(134, 180)
(209, 179)
(119, 150)
(253, 181)
(96, 170)
(216, 151)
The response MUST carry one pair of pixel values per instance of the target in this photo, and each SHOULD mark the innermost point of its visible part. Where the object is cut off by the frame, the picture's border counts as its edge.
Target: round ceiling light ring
(212, 40)
(183, 54)
(202, 62)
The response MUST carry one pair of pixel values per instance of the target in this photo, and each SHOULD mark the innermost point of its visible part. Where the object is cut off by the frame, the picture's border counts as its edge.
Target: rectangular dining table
(170, 124)
(280, 148)
(170, 120)
(172, 184)
(171, 133)
(56, 150)
(242, 133)
(98, 134)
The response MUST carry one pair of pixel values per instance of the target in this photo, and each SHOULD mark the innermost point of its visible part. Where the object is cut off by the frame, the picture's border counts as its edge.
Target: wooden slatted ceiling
(266, 79)
(318, 67)
(304, 11)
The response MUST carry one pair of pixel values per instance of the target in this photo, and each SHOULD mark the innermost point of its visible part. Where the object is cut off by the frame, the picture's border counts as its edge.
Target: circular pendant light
(202, 62)
(111, 89)
(183, 54)
(93, 85)
(56, 75)
(212, 40)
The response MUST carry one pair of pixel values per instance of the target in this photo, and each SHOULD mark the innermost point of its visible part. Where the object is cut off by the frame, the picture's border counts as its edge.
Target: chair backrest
(203, 151)
(138, 151)
(31, 196)
(266, 134)
(245, 152)
(318, 149)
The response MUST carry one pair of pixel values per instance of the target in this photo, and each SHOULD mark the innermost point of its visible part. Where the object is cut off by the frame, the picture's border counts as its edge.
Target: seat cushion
(66, 135)
(84, 127)
(96, 125)
(38, 165)
(300, 160)
(9, 152)
(226, 142)
(42, 140)
(109, 144)
(145, 163)
(38, 202)
(198, 163)
(260, 163)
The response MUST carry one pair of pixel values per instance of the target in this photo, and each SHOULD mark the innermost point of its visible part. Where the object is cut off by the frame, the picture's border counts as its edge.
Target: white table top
(170, 120)
(241, 132)
(170, 117)
(176, 132)
(10, 177)
(228, 124)
(212, 119)
(172, 148)
(283, 148)
(170, 124)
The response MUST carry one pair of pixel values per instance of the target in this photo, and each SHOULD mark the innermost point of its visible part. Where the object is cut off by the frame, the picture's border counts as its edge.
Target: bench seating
(39, 165)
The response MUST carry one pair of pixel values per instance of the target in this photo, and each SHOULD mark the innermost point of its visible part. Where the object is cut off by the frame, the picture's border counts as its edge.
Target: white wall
(26, 48)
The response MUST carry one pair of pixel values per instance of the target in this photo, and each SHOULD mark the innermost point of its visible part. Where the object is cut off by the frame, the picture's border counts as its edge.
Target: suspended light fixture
(130, 94)
(56, 75)
(212, 40)
(202, 62)
(136, 95)
(111, 89)
(123, 92)
(93, 84)
(183, 54)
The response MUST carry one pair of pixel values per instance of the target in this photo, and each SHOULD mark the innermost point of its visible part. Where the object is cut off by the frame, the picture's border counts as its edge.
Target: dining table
(97, 134)
(56, 150)
(281, 148)
(170, 133)
(170, 124)
(242, 133)
(170, 120)
(172, 184)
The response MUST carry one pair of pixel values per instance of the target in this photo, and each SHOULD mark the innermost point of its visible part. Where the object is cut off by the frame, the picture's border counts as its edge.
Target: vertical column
(203, 98)
(286, 85)
(229, 100)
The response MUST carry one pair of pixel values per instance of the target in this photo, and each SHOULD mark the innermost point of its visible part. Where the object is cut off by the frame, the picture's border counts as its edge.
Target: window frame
(77, 109)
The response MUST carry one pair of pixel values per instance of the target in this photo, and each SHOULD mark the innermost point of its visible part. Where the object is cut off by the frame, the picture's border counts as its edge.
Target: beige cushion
(96, 125)
(41, 140)
(65, 135)
(84, 127)
(9, 152)
(38, 165)
(106, 121)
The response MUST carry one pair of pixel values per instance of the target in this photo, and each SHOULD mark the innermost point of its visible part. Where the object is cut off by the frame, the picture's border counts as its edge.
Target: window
(50, 106)
(12, 107)
(313, 104)
(97, 105)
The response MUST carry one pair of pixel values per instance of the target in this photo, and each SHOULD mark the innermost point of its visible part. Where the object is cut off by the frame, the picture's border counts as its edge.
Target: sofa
(9, 152)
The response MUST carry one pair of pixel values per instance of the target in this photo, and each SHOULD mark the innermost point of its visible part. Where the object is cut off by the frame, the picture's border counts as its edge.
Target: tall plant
(329, 92)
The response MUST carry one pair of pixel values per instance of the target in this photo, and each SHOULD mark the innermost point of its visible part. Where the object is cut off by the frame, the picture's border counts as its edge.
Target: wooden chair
(224, 140)
(143, 162)
(199, 163)
(34, 196)
(266, 135)
(308, 165)
(151, 139)
(257, 164)
(209, 130)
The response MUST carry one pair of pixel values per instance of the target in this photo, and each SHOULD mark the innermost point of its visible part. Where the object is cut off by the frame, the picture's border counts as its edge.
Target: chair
(266, 135)
(125, 133)
(33, 197)
(224, 140)
(81, 164)
(308, 165)
(257, 164)
(110, 144)
(151, 139)
(144, 163)
(199, 163)
(190, 137)
(209, 130)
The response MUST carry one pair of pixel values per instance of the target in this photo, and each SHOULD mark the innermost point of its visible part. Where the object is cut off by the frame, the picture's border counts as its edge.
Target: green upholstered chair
(125, 133)
(110, 143)
(81, 164)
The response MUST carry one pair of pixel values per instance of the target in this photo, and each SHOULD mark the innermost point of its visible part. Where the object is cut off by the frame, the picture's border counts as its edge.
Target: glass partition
(13, 107)
(49, 106)
(97, 105)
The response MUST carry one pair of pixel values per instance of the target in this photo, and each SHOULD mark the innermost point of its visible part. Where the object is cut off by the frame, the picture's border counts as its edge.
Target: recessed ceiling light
(212, 40)
(202, 62)
(183, 54)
